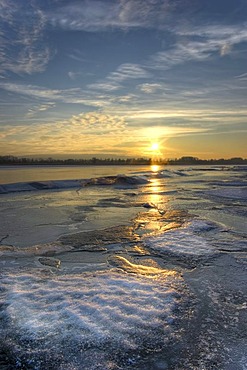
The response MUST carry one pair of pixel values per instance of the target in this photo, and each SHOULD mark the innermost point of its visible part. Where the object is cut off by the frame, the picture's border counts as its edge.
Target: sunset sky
(123, 78)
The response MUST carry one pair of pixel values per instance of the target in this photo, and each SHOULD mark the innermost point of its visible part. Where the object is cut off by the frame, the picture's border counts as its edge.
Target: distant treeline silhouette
(11, 160)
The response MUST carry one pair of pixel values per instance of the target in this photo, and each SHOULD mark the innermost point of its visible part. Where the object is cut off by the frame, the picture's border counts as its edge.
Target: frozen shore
(141, 276)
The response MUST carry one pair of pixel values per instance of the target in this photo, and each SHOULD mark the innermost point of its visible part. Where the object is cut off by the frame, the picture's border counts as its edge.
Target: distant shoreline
(190, 161)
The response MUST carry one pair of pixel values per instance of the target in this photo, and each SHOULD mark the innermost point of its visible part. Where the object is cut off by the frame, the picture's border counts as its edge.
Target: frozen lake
(143, 270)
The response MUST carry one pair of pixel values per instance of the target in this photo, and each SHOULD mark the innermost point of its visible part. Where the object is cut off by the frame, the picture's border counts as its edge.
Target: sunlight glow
(155, 147)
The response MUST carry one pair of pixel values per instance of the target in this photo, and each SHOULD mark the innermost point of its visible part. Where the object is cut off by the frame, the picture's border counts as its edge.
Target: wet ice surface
(145, 272)
(231, 193)
(40, 217)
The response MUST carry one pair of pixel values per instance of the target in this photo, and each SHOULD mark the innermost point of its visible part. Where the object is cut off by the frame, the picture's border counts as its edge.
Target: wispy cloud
(151, 88)
(26, 52)
(193, 44)
(197, 115)
(191, 51)
(242, 77)
(105, 86)
(22, 49)
(73, 95)
(74, 75)
(126, 71)
(32, 112)
(35, 91)
(78, 55)
(106, 15)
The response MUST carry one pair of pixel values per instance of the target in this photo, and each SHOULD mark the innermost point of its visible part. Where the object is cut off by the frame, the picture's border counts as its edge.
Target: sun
(155, 147)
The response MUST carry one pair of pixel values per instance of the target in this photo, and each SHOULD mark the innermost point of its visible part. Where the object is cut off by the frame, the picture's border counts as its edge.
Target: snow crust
(88, 318)
(185, 240)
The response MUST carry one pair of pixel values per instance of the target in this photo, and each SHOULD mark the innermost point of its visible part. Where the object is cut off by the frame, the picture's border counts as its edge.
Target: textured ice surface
(184, 241)
(129, 316)
(172, 173)
(233, 193)
(104, 318)
(66, 184)
(39, 185)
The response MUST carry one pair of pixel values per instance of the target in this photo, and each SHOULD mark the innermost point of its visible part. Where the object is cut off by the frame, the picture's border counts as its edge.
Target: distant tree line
(11, 160)
(197, 161)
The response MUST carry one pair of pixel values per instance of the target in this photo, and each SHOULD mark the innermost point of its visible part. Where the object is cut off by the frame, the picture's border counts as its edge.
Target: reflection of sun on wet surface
(155, 168)
(140, 250)
(124, 264)
(155, 189)
(154, 222)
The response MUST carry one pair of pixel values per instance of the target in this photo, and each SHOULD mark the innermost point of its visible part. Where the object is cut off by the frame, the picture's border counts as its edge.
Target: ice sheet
(231, 192)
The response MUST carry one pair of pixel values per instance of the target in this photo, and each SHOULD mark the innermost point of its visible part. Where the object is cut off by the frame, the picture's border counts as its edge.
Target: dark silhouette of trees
(11, 160)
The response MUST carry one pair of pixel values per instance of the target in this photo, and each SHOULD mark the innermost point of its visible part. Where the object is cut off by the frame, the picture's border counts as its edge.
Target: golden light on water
(155, 188)
(148, 271)
(155, 167)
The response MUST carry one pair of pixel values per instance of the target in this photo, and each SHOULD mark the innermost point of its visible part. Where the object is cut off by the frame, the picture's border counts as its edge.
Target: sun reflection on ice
(155, 168)
(149, 271)
(155, 195)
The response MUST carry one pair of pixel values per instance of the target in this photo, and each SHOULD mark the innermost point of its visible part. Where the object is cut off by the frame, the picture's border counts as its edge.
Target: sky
(117, 78)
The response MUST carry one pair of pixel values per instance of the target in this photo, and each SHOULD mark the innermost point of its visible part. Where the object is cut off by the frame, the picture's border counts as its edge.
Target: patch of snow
(183, 241)
(90, 318)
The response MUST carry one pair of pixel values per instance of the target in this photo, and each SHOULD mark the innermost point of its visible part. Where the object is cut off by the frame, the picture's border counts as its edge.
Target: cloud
(22, 48)
(193, 44)
(150, 88)
(186, 121)
(126, 71)
(39, 108)
(242, 77)
(198, 44)
(83, 133)
(7, 10)
(180, 54)
(32, 90)
(73, 95)
(105, 86)
(78, 55)
(96, 132)
(149, 13)
(233, 33)
(26, 52)
(99, 15)
(89, 16)
(225, 49)
(74, 75)
(98, 123)
(193, 114)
